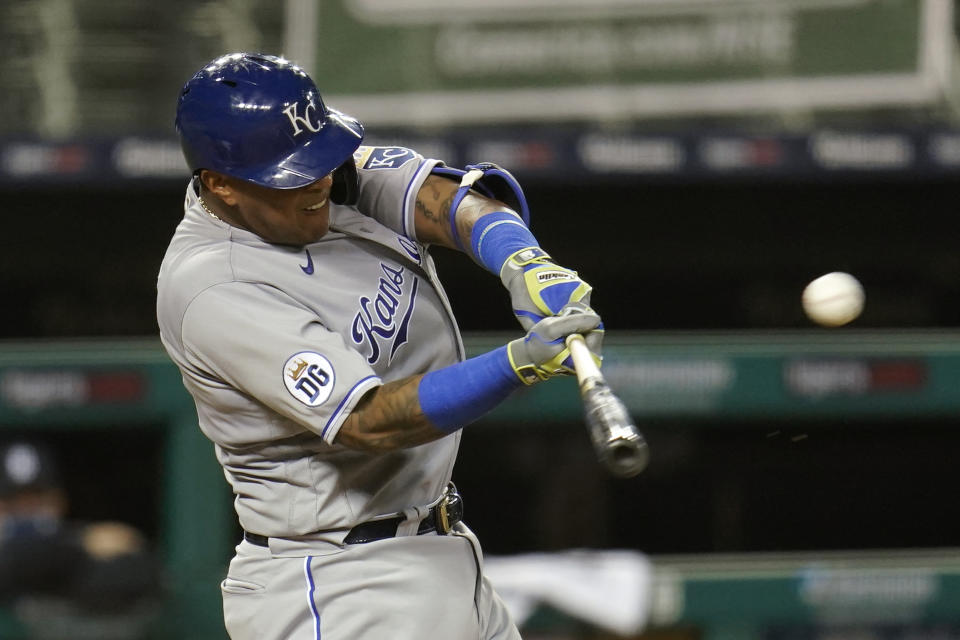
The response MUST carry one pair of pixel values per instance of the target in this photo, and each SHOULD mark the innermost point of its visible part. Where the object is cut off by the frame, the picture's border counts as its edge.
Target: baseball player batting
(299, 298)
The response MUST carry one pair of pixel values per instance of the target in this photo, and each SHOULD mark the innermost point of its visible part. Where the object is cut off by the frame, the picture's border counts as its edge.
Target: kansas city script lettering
(377, 318)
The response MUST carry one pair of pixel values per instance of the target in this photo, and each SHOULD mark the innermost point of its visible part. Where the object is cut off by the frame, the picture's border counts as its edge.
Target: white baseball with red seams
(833, 299)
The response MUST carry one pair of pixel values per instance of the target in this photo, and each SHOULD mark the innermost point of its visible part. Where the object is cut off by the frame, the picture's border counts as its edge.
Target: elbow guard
(490, 180)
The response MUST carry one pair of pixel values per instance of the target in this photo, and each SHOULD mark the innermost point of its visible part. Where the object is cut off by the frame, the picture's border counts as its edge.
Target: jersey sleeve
(390, 178)
(259, 341)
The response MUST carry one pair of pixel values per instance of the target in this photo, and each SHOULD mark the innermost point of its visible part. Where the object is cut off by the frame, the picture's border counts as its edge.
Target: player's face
(282, 216)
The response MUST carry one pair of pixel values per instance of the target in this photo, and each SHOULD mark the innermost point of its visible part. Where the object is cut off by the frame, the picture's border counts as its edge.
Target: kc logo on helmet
(308, 377)
(292, 112)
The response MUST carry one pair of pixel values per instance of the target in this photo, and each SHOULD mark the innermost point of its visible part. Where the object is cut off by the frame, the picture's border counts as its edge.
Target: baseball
(833, 299)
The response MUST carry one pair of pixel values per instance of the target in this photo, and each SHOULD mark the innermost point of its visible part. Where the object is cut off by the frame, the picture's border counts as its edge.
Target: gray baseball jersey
(277, 345)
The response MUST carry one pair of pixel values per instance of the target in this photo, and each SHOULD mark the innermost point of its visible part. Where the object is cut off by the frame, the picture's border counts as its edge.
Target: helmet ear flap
(346, 184)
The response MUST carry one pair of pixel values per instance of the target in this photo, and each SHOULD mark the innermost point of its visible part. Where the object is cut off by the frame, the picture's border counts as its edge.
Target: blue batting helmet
(260, 118)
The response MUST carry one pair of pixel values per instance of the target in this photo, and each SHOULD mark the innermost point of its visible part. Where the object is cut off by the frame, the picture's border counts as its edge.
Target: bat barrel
(618, 443)
(627, 458)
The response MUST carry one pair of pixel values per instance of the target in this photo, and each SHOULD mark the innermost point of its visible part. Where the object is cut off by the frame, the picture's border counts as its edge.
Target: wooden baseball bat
(616, 440)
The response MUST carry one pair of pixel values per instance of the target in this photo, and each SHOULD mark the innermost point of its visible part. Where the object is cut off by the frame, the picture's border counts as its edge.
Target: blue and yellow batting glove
(543, 353)
(540, 288)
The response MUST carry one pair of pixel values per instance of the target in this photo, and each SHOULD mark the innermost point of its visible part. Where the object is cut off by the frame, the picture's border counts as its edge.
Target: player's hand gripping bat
(618, 444)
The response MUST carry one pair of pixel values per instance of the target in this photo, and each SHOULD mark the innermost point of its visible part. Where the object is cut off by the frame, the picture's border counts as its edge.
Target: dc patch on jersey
(387, 157)
(308, 377)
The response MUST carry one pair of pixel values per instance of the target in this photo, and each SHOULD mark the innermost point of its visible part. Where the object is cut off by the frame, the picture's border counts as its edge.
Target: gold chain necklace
(207, 209)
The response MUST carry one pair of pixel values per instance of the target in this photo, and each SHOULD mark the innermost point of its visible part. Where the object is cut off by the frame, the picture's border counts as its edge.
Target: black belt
(442, 517)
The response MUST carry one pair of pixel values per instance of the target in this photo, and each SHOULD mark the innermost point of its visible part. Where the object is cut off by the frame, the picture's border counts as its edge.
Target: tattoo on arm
(432, 210)
(389, 418)
(426, 203)
(469, 211)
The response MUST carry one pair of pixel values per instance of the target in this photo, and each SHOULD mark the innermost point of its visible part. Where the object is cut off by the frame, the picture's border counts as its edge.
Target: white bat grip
(587, 369)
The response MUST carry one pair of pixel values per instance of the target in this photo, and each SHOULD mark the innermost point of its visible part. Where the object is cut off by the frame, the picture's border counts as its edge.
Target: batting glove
(539, 288)
(543, 353)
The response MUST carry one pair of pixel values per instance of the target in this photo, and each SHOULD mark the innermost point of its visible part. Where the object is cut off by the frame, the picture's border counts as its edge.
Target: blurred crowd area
(63, 575)
(91, 68)
(97, 68)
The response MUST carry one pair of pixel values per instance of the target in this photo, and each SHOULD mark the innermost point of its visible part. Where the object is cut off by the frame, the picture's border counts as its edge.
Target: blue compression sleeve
(456, 395)
(497, 236)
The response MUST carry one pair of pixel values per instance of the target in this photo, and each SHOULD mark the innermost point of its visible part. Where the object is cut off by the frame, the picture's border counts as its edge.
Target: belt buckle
(449, 511)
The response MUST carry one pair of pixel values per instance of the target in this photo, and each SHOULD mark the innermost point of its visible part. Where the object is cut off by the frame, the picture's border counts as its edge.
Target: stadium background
(698, 171)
